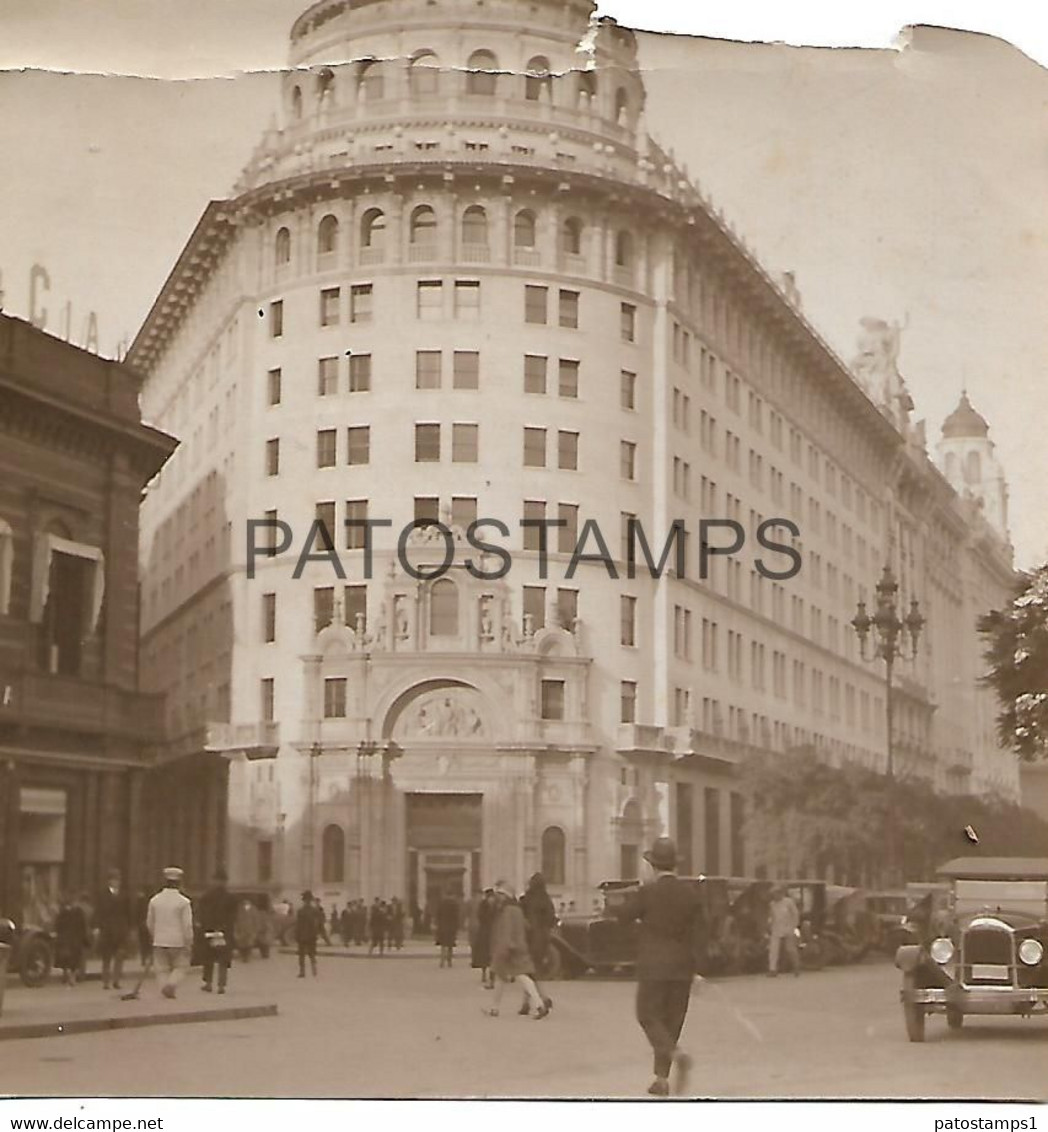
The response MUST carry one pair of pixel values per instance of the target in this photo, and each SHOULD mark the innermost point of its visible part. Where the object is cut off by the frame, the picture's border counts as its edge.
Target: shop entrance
(444, 834)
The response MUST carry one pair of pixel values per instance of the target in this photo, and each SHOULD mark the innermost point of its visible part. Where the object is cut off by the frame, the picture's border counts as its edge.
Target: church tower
(966, 457)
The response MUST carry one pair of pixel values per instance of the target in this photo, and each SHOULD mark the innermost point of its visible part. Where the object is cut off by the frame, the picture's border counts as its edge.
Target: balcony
(68, 704)
(475, 253)
(527, 257)
(420, 253)
(254, 740)
(691, 742)
(369, 257)
(643, 738)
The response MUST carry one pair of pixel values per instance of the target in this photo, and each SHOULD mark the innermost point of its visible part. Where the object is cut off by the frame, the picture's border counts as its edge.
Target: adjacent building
(76, 736)
(459, 281)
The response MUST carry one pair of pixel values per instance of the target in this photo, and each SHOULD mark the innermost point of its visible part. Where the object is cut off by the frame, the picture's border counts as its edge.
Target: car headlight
(1031, 952)
(941, 950)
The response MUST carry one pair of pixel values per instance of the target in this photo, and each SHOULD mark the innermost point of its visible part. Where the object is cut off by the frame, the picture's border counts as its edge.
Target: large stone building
(76, 736)
(460, 280)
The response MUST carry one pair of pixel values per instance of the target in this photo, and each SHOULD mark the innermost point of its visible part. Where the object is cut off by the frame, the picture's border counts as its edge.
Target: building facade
(76, 736)
(459, 281)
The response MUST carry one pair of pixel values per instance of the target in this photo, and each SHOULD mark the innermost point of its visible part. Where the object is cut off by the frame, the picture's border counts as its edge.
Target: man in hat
(309, 926)
(217, 922)
(113, 921)
(784, 922)
(670, 916)
(169, 920)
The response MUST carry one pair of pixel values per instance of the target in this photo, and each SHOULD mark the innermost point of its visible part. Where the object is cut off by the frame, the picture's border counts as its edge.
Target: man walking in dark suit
(113, 920)
(216, 921)
(670, 916)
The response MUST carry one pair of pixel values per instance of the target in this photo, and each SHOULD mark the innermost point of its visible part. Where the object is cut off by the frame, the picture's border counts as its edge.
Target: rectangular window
(265, 861)
(711, 799)
(360, 302)
(552, 699)
(273, 457)
(628, 390)
(273, 387)
(628, 322)
(427, 443)
(323, 607)
(534, 373)
(270, 520)
(536, 300)
(568, 534)
(427, 509)
(627, 620)
(568, 385)
(628, 460)
(356, 605)
(327, 448)
(464, 443)
(358, 444)
(463, 511)
(329, 304)
(534, 447)
(534, 608)
(567, 607)
(569, 310)
(335, 697)
(325, 516)
(427, 369)
(267, 689)
(467, 369)
(276, 319)
(467, 300)
(567, 450)
(534, 512)
(269, 618)
(628, 700)
(356, 518)
(327, 377)
(359, 373)
(430, 300)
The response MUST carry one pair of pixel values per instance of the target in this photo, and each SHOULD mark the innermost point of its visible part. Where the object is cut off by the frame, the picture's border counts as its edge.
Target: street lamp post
(894, 638)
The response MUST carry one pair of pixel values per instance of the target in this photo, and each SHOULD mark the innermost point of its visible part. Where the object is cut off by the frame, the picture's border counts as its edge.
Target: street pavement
(400, 1027)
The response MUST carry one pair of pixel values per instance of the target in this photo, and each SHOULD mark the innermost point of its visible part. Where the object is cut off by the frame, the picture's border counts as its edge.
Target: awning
(46, 546)
(40, 800)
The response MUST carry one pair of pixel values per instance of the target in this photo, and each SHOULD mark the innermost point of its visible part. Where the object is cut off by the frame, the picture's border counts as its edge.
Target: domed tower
(966, 458)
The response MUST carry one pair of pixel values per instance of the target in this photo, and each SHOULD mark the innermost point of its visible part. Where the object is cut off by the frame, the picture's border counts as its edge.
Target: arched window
(587, 88)
(373, 228)
(443, 609)
(333, 855)
(423, 225)
(950, 466)
(538, 80)
(482, 76)
(282, 247)
(624, 249)
(972, 468)
(524, 229)
(553, 843)
(371, 81)
(572, 236)
(326, 85)
(622, 105)
(327, 235)
(424, 74)
(296, 103)
(474, 225)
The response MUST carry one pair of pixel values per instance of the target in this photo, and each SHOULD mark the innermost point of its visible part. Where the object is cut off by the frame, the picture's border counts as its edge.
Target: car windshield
(1027, 896)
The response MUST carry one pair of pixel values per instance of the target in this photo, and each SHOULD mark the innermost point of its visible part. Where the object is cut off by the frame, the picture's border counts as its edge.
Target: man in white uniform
(783, 922)
(170, 923)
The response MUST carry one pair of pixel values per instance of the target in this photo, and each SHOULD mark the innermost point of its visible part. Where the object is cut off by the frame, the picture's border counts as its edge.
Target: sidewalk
(54, 1010)
(413, 949)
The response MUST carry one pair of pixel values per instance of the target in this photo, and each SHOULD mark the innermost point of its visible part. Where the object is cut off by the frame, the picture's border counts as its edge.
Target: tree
(1017, 652)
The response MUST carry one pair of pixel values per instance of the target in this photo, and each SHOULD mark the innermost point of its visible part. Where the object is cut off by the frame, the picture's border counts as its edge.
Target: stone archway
(439, 710)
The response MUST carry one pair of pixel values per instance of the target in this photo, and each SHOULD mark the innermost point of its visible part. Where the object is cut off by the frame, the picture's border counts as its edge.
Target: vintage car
(33, 950)
(889, 910)
(993, 958)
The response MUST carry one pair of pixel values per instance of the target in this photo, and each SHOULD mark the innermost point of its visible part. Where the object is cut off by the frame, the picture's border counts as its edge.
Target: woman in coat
(510, 957)
(480, 945)
(447, 928)
(72, 940)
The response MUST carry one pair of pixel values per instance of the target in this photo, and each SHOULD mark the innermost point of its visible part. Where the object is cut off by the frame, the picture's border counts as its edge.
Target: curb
(92, 1025)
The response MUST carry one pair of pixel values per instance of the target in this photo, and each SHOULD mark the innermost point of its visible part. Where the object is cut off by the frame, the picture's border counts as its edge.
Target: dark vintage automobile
(32, 951)
(992, 957)
(889, 910)
(735, 928)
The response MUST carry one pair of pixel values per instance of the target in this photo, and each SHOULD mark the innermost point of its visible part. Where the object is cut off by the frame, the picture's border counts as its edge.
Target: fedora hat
(662, 855)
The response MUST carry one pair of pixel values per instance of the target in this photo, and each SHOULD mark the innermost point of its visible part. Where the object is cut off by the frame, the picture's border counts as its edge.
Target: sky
(905, 181)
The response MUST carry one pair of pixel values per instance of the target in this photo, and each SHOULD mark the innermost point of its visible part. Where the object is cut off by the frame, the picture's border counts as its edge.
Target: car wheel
(954, 1018)
(913, 1014)
(35, 964)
